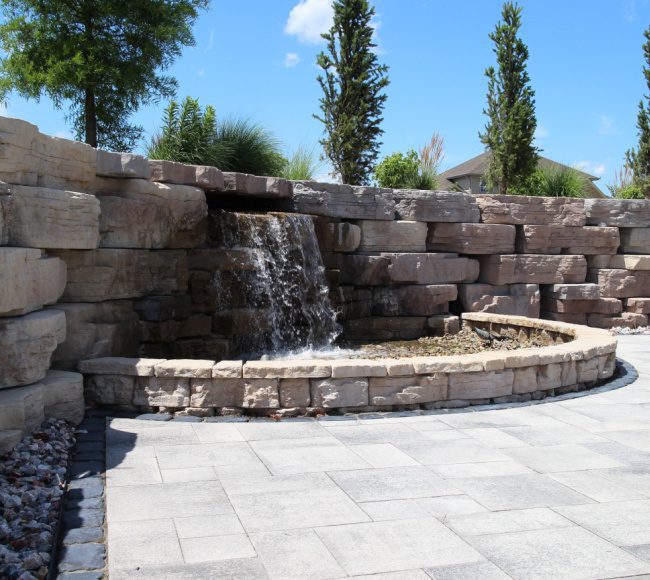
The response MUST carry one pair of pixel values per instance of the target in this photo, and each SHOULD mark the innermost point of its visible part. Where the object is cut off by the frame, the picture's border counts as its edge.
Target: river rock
(513, 299)
(430, 268)
(554, 239)
(620, 262)
(124, 165)
(395, 236)
(110, 274)
(520, 210)
(471, 238)
(635, 240)
(27, 344)
(621, 283)
(29, 280)
(435, 206)
(618, 212)
(532, 269)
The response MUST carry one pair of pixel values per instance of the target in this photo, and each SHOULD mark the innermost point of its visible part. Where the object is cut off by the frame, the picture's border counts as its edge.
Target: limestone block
(569, 373)
(442, 324)
(587, 370)
(337, 236)
(520, 210)
(394, 236)
(136, 367)
(27, 344)
(228, 369)
(333, 393)
(344, 368)
(513, 299)
(481, 385)
(430, 268)
(625, 320)
(385, 328)
(276, 187)
(208, 178)
(343, 201)
(637, 305)
(96, 330)
(29, 280)
(569, 317)
(364, 270)
(110, 274)
(572, 291)
(124, 165)
(287, 369)
(416, 300)
(261, 394)
(408, 390)
(471, 238)
(549, 376)
(63, 396)
(555, 239)
(109, 389)
(187, 368)
(231, 260)
(620, 262)
(38, 217)
(635, 240)
(294, 393)
(621, 283)
(600, 306)
(606, 366)
(352, 302)
(435, 206)
(162, 392)
(22, 408)
(172, 172)
(618, 212)
(532, 269)
(398, 368)
(243, 183)
(29, 157)
(217, 392)
(159, 308)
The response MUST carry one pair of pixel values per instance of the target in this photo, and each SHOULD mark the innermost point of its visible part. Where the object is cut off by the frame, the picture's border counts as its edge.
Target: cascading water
(283, 279)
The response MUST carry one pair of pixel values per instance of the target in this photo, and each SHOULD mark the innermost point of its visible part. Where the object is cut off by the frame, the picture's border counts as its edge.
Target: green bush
(301, 165)
(632, 191)
(399, 171)
(554, 182)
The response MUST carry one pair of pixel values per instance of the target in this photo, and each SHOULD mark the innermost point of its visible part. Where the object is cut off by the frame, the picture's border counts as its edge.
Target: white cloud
(309, 19)
(597, 168)
(607, 126)
(208, 47)
(291, 59)
(376, 25)
(541, 132)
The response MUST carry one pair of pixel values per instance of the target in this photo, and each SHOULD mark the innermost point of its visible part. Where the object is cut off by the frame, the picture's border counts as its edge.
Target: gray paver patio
(555, 490)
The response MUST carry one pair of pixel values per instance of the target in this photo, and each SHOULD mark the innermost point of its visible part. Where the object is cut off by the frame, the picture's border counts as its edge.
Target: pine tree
(510, 107)
(352, 102)
(639, 160)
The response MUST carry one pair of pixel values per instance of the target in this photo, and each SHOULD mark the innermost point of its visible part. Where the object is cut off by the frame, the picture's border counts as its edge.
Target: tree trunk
(90, 118)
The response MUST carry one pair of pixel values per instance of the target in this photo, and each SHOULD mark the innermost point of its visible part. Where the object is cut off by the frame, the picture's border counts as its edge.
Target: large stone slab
(27, 344)
(554, 239)
(337, 236)
(124, 165)
(520, 210)
(364, 270)
(63, 396)
(618, 212)
(416, 300)
(29, 157)
(482, 385)
(39, 217)
(343, 201)
(95, 330)
(435, 206)
(333, 393)
(395, 236)
(29, 280)
(621, 283)
(513, 299)
(599, 306)
(408, 390)
(471, 238)
(430, 268)
(620, 262)
(572, 291)
(143, 214)
(21, 410)
(532, 269)
(110, 274)
(635, 240)
(637, 305)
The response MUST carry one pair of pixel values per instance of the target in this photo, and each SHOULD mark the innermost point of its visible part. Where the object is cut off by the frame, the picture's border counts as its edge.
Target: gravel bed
(32, 481)
(623, 331)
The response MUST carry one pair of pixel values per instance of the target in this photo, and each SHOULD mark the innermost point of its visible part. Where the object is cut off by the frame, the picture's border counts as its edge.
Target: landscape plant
(353, 84)
(510, 108)
(302, 164)
(554, 182)
(103, 58)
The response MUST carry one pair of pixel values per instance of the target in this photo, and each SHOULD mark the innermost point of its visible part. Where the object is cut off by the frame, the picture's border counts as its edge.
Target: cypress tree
(352, 101)
(510, 107)
(639, 160)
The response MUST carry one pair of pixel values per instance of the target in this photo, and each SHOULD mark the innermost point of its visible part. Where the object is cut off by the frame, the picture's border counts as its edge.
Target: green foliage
(192, 135)
(632, 191)
(353, 101)
(510, 107)
(553, 182)
(639, 160)
(301, 165)
(102, 57)
(399, 171)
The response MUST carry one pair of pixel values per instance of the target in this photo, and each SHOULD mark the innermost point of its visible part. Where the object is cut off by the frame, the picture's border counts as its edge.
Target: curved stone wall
(577, 358)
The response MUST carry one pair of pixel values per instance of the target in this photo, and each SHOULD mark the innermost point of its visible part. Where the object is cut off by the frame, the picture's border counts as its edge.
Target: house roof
(478, 166)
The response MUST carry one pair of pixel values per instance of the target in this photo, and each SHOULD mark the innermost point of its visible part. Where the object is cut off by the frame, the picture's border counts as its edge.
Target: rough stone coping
(585, 343)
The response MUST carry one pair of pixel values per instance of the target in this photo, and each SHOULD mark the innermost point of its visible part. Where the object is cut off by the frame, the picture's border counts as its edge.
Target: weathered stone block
(637, 305)
(408, 390)
(625, 320)
(109, 389)
(343, 368)
(364, 270)
(481, 385)
(435, 206)
(27, 344)
(416, 300)
(520, 210)
(572, 291)
(549, 376)
(337, 236)
(618, 212)
(471, 238)
(291, 369)
(532, 269)
(136, 367)
(442, 324)
(217, 392)
(621, 283)
(28, 280)
(294, 393)
(430, 268)
(635, 240)
(556, 239)
(587, 370)
(159, 308)
(261, 394)
(172, 172)
(394, 236)
(187, 368)
(162, 392)
(333, 393)
(513, 299)
(343, 201)
(208, 178)
(63, 396)
(385, 328)
(525, 380)
(109, 274)
(600, 306)
(620, 262)
(277, 187)
(228, 369)
(569, 317)
(124, 165)
(21, 409)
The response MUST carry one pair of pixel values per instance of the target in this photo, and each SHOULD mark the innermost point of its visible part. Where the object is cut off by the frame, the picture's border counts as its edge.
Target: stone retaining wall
(578, 358)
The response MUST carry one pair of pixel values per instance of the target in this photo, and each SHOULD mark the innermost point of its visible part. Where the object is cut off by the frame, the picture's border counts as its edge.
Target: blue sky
(255, 58)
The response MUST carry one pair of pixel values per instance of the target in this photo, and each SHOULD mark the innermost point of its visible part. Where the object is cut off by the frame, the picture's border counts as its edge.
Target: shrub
(632, 191)
(301, 165)
(397, 171)
(554, 182)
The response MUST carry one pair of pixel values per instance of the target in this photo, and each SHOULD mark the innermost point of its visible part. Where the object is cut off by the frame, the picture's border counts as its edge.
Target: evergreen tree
(352, 102)
(510, 107)
(639, 161)
(101, 56)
